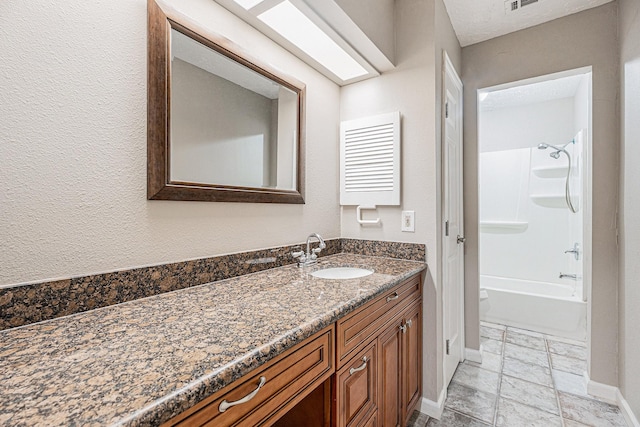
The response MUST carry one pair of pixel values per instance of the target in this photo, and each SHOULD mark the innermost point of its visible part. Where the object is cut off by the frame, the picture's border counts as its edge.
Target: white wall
(578, 40)
(526, 125)
(73, 130)
(629, 372)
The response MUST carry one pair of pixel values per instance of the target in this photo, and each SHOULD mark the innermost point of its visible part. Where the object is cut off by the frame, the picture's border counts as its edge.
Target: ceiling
(479, 20)
(546, 90)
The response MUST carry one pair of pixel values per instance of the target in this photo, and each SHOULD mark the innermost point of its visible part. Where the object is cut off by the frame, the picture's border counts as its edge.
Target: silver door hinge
(448, 347)
(446, 228)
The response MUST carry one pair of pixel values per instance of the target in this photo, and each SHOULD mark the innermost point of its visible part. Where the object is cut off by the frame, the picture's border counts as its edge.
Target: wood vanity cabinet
(392, 324)
(363, 371)
(288, 379)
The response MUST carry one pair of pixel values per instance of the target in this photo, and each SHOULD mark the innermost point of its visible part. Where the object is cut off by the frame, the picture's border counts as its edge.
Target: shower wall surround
(523, 188)
(35, 302)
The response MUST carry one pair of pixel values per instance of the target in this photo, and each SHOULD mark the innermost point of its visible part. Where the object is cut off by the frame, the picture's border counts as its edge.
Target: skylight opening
(295, 26)
(248, 4)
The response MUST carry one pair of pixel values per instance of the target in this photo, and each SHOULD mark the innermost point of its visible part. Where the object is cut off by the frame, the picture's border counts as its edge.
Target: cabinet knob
(403, 328)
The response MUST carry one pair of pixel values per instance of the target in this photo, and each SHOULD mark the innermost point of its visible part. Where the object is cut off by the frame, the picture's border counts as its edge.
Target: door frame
(587, 182)
(449, 71)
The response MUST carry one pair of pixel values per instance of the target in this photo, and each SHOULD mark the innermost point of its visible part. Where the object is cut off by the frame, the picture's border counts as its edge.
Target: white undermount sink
(338, 273)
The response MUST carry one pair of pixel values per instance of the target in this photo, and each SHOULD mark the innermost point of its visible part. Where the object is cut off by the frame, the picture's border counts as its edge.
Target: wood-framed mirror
(221, 125)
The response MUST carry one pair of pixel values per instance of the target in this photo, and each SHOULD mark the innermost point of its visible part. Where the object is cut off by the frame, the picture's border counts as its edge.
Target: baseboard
(611, 394)
(628, 414)
(473, 355)
(431, 408)
(604, 392)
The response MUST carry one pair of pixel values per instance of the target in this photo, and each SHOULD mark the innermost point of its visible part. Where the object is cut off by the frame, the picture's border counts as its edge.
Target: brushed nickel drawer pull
(224, 405)
(360, 368)
(395, 296)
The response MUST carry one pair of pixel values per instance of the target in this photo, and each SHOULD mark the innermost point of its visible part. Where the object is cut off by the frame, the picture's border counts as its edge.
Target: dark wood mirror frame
(161, 19)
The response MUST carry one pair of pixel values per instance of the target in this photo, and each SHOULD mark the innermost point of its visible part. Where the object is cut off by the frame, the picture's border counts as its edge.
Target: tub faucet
(311, 256)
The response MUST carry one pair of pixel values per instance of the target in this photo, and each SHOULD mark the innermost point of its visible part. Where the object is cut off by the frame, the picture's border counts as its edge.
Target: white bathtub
(548, 308)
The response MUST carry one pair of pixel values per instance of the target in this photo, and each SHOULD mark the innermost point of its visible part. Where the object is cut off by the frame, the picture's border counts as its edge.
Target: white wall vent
(370, 161)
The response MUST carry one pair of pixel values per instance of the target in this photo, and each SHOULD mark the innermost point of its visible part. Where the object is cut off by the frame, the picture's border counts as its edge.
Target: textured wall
(414, 89)
(629, 34)
(374, 21)
(410, 89)
(73, 145)
(579, 40)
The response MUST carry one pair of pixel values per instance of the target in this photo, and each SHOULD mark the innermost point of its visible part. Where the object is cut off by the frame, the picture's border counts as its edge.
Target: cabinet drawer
(287, 380)
(357, 388)
(355, 330)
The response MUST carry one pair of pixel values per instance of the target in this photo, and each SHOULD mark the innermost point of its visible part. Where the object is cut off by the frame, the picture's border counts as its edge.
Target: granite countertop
(144, 361)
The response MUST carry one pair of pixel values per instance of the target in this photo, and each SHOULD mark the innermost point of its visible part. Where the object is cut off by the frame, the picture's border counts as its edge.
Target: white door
(453, 233)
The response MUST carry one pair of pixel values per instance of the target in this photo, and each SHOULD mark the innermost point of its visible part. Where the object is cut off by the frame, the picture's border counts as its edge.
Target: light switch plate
(408, 221)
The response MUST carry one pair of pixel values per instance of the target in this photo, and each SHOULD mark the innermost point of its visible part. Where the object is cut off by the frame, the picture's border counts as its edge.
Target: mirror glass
(229, 124)
(222, 126)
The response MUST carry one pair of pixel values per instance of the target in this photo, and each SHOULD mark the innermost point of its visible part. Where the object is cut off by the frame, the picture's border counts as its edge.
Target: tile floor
(525, 379)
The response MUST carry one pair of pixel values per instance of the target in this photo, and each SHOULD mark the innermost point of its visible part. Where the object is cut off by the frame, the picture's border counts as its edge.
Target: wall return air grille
(370, 161)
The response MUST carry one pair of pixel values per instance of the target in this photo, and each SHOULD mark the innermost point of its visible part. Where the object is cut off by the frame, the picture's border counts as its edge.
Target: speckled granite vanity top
(142, 362)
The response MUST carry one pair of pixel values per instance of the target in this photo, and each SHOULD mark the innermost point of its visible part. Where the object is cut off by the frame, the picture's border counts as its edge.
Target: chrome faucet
(311, 256)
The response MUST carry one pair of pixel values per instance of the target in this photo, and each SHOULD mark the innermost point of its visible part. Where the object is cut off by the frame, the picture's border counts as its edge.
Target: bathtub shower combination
(531, 239)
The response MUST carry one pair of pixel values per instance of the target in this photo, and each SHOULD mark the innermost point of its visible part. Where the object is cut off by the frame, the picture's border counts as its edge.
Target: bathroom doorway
(535, 203)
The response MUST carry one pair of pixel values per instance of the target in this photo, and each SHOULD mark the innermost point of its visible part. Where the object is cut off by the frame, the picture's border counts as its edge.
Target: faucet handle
(298, 254)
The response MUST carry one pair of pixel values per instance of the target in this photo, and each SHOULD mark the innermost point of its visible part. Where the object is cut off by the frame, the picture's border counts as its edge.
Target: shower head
(555, 154)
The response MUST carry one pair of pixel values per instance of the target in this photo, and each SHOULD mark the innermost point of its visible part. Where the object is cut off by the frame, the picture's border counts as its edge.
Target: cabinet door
(411, 359)
(357, 388)
(390, 343)
(373, 421)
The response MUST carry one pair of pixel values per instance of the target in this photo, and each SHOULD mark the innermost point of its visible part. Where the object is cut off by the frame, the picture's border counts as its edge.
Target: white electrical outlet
(408, 221)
